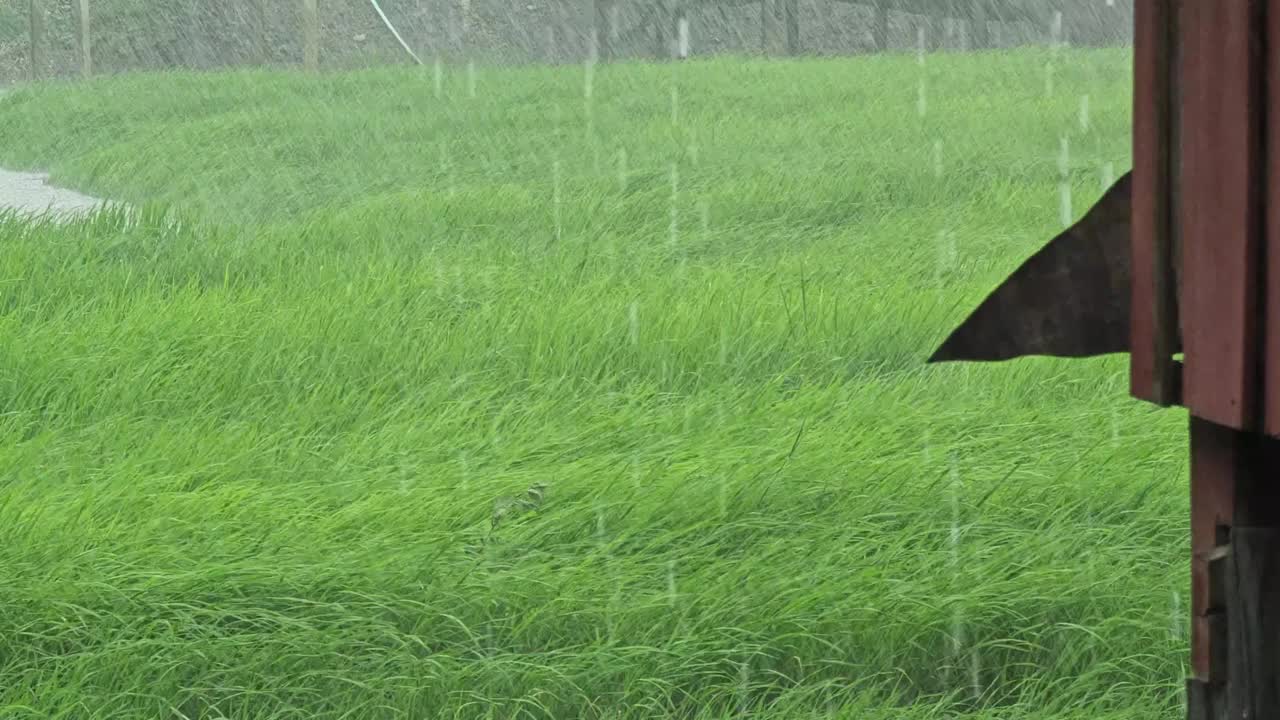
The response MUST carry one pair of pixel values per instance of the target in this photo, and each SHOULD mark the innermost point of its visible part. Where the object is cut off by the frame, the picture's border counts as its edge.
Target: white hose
(395, 32)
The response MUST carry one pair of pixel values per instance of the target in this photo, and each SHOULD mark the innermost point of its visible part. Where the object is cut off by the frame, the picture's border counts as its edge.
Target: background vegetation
(247, 459)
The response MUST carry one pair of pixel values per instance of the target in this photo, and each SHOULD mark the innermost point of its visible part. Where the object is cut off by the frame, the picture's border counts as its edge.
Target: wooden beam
(1254, 668)
(1253, 580)
(310, 35)
(1217, 457)
(1219, 83)
(1153, 376)
(38, 38)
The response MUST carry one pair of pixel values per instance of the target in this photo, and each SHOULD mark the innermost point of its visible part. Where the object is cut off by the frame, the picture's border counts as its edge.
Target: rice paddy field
(251, 436)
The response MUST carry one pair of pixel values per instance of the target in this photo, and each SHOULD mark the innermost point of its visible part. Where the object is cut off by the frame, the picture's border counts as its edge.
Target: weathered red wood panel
(1271, 268)
(1153, 308)
(1218, 212)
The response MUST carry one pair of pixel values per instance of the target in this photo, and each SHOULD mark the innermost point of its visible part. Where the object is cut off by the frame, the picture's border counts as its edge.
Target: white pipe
(395, 32)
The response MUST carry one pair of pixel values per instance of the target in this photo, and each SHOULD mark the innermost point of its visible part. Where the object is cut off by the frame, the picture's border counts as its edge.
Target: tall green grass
(247, 460)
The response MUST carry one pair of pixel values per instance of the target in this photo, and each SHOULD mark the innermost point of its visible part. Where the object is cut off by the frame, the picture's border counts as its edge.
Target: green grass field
(247, 462)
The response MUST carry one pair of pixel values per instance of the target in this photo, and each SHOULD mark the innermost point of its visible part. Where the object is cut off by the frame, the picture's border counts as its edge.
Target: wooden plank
(1153, 313)
(1204, 701)
(310, 35)
(39, 39)
(1254, 689)
(85, 37)
(1219, 106)
(1216, 456)
(1271, 232)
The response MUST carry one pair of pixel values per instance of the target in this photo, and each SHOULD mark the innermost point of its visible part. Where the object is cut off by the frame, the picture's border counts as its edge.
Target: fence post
(37, 39)
(86, 40)
(680, 30)
(310, 35)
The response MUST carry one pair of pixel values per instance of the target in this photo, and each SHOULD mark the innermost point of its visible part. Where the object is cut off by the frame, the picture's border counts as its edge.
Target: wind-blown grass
(247, 460)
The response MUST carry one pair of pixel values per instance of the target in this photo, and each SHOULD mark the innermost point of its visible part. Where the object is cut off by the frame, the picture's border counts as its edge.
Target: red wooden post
(1206, 270)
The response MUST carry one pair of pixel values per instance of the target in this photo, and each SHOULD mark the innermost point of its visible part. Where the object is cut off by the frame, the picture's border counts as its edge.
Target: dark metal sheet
(1070, 299)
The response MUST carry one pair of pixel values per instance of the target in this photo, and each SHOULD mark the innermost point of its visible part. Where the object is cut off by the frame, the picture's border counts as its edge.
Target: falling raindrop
(724, 345)
(946, 253)
(1175, 616)
(1108, 174)
(555, 194)
(610, 625)
(1064, 203)
(635, 465)
(704, 214)
(975, 674)
(920, 45)
(683, 32)
(671, 583)
(956, 486)
(957, 616)
(633, 316)
(675, 210)
(1055, 30)
(1064, 156)
(600, 532)
(446, 166)
(1084, 112)
(744, 687)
